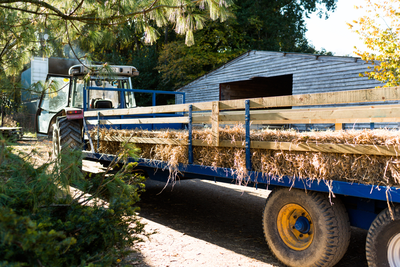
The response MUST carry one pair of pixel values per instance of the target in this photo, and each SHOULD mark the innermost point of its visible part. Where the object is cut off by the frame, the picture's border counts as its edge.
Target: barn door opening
(257, 87)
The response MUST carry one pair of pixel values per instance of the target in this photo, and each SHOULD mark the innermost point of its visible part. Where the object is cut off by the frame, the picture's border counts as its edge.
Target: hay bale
(366, 169)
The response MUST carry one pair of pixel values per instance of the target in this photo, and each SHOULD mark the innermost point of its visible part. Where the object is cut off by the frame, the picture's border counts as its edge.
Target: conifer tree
(27, 25)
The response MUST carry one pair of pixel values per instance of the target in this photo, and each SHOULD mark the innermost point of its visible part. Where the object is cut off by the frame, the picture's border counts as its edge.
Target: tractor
(60, 113)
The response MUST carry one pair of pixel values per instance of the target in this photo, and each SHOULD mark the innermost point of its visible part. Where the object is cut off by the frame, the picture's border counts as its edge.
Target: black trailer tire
(383, 240)
(68, 134)
(287, 215)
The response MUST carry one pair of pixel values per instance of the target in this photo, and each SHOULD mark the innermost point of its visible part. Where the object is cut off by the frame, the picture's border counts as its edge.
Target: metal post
(372, 125)
(122, 100)
(84, 98)
(153, 100)
(190, 145)
(247, 126)
(88, 135)
(98, 131)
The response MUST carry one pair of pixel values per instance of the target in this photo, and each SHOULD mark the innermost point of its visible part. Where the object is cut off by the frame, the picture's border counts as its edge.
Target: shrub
(44, 222)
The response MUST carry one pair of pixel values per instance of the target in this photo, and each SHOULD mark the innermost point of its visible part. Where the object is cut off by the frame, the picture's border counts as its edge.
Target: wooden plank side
(311, 147)
(353, 114)
(285, 146)
(138, 110)
(144, 140)
(93, 167)
(338, 126)
(215, 123)
(382, 113)
(320, 115)
(203, 118)
(330, 148)
(332, 98)
(140, 121)
(202, 106)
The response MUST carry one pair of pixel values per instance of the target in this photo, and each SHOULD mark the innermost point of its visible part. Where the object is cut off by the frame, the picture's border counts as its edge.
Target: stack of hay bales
(366, 169)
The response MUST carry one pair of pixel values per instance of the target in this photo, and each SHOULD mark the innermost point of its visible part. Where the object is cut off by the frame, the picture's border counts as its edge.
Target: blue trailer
(306, 222)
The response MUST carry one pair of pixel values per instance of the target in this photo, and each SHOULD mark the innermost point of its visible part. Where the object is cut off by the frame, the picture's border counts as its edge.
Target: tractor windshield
(107, 98)
(113, 96)
(77, 92)
(56, 97)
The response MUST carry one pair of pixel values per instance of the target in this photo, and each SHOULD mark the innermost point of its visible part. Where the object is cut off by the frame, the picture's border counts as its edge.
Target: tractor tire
(67, 134)
(383, 240)
(305, 229)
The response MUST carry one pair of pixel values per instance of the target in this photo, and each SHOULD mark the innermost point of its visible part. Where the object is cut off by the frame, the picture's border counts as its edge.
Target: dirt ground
(202, 223)
(37, 152)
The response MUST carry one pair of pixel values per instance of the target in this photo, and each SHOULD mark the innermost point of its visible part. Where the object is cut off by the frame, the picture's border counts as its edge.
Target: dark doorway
(257, 87)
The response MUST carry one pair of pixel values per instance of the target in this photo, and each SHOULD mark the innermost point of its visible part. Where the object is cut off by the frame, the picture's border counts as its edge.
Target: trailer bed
(306, 220)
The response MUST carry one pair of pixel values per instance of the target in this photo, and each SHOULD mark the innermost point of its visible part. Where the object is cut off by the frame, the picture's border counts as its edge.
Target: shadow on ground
(226, 217)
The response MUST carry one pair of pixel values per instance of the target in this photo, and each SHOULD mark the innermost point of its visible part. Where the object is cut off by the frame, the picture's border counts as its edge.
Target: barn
(266, 73)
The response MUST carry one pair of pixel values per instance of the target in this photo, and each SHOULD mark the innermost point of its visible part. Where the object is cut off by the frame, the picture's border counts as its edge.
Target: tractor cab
(85, 88)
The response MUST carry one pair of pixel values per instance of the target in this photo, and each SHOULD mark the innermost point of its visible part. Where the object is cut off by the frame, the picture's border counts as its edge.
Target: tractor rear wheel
(67, 134)
(305, 229)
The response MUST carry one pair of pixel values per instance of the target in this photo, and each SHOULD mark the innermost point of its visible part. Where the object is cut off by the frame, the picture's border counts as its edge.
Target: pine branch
(4, 49)
(86, 19)
(77, 7)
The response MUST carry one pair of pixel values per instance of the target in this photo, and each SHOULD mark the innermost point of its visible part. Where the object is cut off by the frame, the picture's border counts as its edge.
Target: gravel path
(200, 223)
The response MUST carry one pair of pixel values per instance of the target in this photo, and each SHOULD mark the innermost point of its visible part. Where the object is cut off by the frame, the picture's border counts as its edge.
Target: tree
(380, 31)
(215, 45)
(259, 25)
(25, 22)
(97, 30)
(278, 25)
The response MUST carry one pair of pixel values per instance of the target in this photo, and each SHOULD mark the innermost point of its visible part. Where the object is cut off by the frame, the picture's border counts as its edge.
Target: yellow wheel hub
(295, 227)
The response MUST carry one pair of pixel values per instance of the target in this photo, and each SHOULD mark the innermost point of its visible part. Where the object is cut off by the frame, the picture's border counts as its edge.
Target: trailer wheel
(383, 240)
(304, 229)
(67, 134)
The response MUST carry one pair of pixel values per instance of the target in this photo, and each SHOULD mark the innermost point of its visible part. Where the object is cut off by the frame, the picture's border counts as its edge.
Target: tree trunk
(2, 113)
(166, 35)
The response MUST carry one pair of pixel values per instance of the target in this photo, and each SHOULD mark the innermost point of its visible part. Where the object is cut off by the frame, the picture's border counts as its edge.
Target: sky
(334, 34)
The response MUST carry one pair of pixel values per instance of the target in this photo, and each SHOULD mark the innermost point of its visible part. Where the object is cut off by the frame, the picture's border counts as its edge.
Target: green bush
(45, 223)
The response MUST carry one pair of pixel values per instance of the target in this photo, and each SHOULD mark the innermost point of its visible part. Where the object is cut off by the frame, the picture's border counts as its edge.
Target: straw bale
(367, 169)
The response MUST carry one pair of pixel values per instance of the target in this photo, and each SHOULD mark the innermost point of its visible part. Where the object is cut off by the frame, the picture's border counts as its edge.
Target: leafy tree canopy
(26, 23)
(190, 40)
(278, 25)
(255, 25)
(215, 45)
(380, 31)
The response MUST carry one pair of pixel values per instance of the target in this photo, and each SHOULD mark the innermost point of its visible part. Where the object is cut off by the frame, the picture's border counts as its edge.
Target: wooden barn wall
(311, 74)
